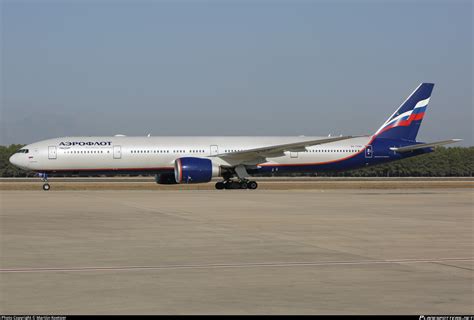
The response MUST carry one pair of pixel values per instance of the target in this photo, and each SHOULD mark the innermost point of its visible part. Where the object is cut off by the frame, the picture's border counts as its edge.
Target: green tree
(6, 168)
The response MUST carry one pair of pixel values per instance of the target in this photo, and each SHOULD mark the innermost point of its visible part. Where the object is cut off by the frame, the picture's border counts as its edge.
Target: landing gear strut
(236, 184)
(44, 178)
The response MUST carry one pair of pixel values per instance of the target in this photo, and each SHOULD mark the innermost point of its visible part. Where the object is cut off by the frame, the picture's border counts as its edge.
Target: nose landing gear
(44, 178)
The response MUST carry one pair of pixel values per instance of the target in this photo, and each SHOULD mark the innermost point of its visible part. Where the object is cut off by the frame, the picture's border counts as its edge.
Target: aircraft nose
(18, 160)
(14, 160)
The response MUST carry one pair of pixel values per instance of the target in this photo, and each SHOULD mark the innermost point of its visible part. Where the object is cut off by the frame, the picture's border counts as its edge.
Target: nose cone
(14, 160)
(18, 160)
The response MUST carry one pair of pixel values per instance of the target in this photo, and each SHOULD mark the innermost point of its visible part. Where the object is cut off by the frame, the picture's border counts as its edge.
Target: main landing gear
(44, 178)
(236, 184)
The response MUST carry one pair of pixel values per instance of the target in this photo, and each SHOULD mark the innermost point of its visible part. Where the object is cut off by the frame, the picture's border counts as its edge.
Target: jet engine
(165, 178)
(195, 170)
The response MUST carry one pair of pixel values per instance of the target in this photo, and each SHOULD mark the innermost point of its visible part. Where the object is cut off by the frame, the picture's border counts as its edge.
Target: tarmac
(266, 183)
(295, 251)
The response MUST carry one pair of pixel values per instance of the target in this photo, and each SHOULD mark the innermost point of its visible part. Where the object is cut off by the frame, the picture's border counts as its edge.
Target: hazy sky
(231, 67)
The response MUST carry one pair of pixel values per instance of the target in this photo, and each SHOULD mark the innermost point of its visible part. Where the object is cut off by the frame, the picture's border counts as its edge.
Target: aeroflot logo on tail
(85, 143)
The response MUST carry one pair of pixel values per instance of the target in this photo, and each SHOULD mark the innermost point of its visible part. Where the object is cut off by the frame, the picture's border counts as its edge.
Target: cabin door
(214, 150)
(117, 152)
(369, 153)
(52, 154)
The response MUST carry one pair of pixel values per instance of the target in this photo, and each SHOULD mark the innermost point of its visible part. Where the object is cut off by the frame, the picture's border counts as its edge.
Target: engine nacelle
(165, 178)
(195, 170)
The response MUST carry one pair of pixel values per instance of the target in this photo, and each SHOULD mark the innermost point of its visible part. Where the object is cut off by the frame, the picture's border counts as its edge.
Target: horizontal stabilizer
(424, 145)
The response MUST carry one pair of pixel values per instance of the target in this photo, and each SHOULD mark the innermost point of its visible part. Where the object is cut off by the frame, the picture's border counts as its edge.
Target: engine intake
(194, 170)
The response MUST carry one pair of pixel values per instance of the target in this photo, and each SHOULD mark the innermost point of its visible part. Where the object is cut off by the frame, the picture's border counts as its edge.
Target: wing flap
(424, 145)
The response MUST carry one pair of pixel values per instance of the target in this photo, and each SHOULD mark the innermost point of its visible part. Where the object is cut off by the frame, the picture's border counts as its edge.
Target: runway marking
(453, 266)
(237, 265)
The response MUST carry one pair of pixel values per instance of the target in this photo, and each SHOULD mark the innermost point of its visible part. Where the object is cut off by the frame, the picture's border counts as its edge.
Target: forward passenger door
(52, 154)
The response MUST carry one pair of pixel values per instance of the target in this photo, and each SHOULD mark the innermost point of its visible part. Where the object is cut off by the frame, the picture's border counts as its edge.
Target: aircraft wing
(424, 145)
(259, 154)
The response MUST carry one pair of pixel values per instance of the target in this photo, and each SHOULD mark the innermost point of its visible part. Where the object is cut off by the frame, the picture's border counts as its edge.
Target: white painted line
(236, 265)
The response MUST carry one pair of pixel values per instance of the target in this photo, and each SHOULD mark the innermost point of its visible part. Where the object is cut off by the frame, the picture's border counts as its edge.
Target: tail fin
(405, 122)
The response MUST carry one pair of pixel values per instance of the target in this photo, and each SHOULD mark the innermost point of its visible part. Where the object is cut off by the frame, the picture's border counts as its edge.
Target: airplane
(175, 160)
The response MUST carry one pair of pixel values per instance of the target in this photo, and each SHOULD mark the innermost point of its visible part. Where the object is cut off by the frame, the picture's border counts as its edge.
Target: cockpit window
(23, 151)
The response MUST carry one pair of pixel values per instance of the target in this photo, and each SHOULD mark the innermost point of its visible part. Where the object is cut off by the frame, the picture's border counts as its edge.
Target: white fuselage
(134, 153)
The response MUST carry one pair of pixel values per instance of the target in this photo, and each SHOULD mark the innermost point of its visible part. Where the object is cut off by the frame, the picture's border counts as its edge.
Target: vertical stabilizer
(405, 122)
